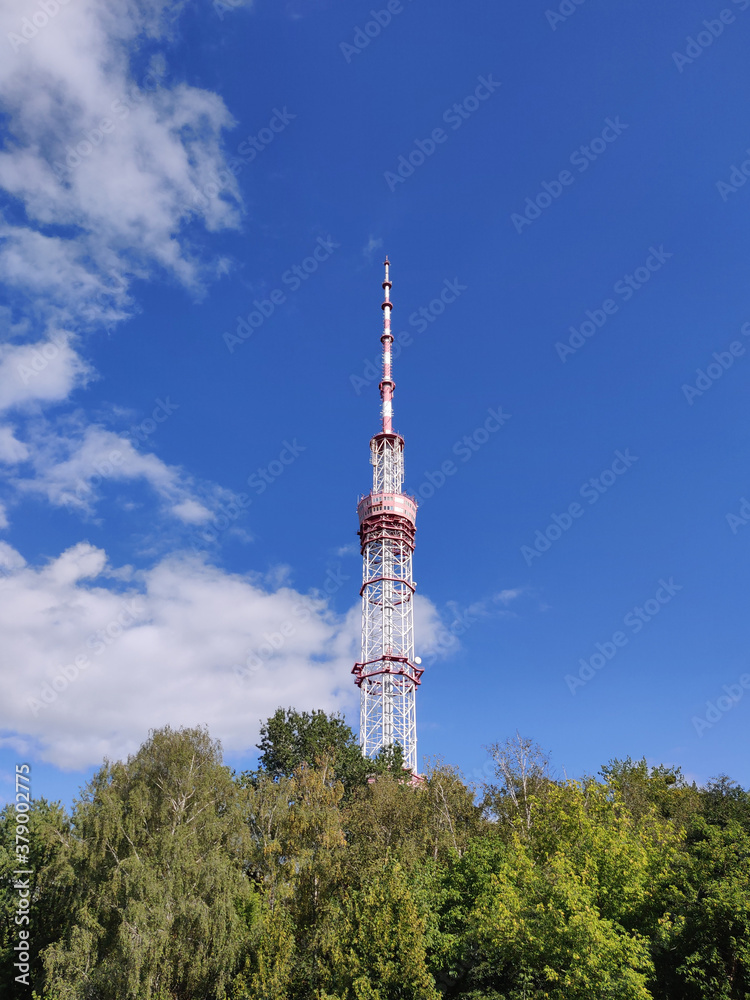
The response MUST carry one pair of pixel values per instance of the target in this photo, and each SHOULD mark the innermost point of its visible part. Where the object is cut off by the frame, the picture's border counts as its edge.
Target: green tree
(377, 943)
(555, 909)
(290, 738)
(522, 773)
(156, 856)
(49, 884)
(703, 945)
(723, 800)
(642, 788)
(296, 846)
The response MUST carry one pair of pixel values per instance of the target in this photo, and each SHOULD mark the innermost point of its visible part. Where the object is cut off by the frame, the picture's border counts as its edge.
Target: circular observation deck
(398, 504)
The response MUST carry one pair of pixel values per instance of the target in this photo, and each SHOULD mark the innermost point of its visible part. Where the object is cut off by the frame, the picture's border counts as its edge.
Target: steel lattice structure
(388, 674)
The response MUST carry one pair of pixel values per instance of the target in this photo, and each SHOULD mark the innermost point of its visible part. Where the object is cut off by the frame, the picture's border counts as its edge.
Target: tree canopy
(324, 876)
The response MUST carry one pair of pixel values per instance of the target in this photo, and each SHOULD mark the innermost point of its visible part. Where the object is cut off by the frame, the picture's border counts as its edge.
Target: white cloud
(166, 652)
(73, 461)
(183, 643)
(44, 372)
(111, 170)
(191, 512)
(12, 450)
(10, 559)
(506, 596)
(124, 163)
(3, 516)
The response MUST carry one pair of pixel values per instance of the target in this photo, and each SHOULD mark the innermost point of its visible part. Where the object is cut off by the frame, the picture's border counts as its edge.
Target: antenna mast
(389, 674)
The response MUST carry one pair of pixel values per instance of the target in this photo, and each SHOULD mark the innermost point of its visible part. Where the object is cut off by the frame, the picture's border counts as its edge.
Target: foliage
(325, 876)
(290, 738)
(50, 885)
(155, 854)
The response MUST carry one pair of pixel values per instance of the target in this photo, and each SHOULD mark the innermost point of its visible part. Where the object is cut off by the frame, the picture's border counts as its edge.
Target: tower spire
(387, 385)
(388, 673)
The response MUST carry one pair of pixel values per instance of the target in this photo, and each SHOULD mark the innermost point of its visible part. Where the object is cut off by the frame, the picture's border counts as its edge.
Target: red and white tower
(388, 674)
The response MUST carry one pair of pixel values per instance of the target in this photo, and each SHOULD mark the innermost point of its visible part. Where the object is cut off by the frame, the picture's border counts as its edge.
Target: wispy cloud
(102, 167)
(371, 246)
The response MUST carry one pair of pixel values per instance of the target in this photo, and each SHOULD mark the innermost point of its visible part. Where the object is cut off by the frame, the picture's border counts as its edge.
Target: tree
(377, 947)
(290, 738)
(156, 852)
(50, 886)
(703, 945)
(723, 800)
(642, 788)
(522, 768)
(555, 909)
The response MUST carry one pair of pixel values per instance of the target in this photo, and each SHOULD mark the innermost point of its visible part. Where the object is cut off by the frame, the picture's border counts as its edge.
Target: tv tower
(388, 674)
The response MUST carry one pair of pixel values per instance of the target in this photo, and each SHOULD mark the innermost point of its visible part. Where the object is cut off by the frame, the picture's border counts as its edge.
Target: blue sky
(179, 501)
